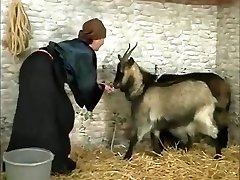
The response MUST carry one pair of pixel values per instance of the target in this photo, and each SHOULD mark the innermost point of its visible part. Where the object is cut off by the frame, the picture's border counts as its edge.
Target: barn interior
(174, 36)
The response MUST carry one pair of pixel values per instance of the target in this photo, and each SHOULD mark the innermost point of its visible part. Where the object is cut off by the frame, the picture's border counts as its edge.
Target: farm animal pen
(177, 37)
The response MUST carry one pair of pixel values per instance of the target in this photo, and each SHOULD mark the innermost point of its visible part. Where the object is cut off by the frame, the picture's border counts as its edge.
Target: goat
(155, 106)
(220, 90)
(218, 86)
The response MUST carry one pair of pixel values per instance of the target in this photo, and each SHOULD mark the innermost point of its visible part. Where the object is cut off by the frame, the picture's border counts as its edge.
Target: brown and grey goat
(184, 108)
(218, 86)
(220, 90)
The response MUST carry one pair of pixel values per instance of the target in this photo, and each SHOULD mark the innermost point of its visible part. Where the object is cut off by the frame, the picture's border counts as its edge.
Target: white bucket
(28, 164)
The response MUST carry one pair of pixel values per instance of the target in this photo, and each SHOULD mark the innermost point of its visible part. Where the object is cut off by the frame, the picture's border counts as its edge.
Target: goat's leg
(187, 145)
(180, 141)
(160, 133)
(182, 135)
(164, 135)
(155, 141)
(209, 129)
(137, 135)
(205, 122)
(221, 141)
(133, 142)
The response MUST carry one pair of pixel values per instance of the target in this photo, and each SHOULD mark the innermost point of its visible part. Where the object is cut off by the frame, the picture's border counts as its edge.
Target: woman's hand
(108, 87)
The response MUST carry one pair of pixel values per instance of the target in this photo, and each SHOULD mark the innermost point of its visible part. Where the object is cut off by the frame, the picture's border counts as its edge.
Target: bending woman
(44, 114)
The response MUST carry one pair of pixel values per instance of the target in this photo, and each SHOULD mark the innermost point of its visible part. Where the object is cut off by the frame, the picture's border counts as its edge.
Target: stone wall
(227, 59)
(177, 38)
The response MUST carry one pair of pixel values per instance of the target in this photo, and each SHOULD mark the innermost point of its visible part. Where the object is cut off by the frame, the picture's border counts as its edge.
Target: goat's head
(128, 72)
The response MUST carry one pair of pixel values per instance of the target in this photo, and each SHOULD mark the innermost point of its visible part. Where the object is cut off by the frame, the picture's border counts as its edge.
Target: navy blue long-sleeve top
(80, 65)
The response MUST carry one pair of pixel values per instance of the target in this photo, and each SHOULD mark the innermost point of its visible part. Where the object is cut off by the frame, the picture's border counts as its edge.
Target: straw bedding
(101, 163)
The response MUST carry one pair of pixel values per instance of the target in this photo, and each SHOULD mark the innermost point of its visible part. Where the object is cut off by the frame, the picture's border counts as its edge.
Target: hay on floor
(101, 163)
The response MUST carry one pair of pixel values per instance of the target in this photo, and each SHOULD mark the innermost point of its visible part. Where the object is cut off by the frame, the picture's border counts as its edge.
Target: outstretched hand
(108, 87)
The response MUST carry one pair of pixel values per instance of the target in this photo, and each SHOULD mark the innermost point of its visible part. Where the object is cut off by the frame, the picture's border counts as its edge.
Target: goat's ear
(130, 61)
(119, 57)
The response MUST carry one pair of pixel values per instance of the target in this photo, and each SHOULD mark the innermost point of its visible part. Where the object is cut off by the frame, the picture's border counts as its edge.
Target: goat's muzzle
(116, 85)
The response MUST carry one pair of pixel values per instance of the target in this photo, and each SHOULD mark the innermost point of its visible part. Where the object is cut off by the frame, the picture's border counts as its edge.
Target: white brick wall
(227, 58)
(178, 38)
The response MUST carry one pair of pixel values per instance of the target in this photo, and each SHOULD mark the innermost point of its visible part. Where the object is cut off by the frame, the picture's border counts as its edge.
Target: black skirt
(44, 114)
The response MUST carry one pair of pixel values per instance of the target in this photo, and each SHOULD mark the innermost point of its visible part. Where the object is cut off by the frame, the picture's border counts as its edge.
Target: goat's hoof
(217, 156)
(185, 148)
(127, 156)
(157, 151)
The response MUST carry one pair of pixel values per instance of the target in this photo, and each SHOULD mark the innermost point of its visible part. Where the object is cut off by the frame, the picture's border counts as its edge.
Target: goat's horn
(130, 52)
(126, 51)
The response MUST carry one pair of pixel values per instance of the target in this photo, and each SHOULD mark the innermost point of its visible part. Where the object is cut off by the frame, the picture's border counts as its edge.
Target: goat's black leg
(133, 142)
(221, 142)
(165, 135)
(175, 141)
(186, 146)
(156, 144)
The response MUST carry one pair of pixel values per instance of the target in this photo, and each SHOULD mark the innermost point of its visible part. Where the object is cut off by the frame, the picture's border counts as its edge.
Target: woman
(44, 114)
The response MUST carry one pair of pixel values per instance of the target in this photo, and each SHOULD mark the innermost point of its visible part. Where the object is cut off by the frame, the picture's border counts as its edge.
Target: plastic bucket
(28, 164)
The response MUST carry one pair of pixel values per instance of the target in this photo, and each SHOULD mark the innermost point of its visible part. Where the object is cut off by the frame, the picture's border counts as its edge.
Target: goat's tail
(218, 105)
(215, 100)
(223, 104)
